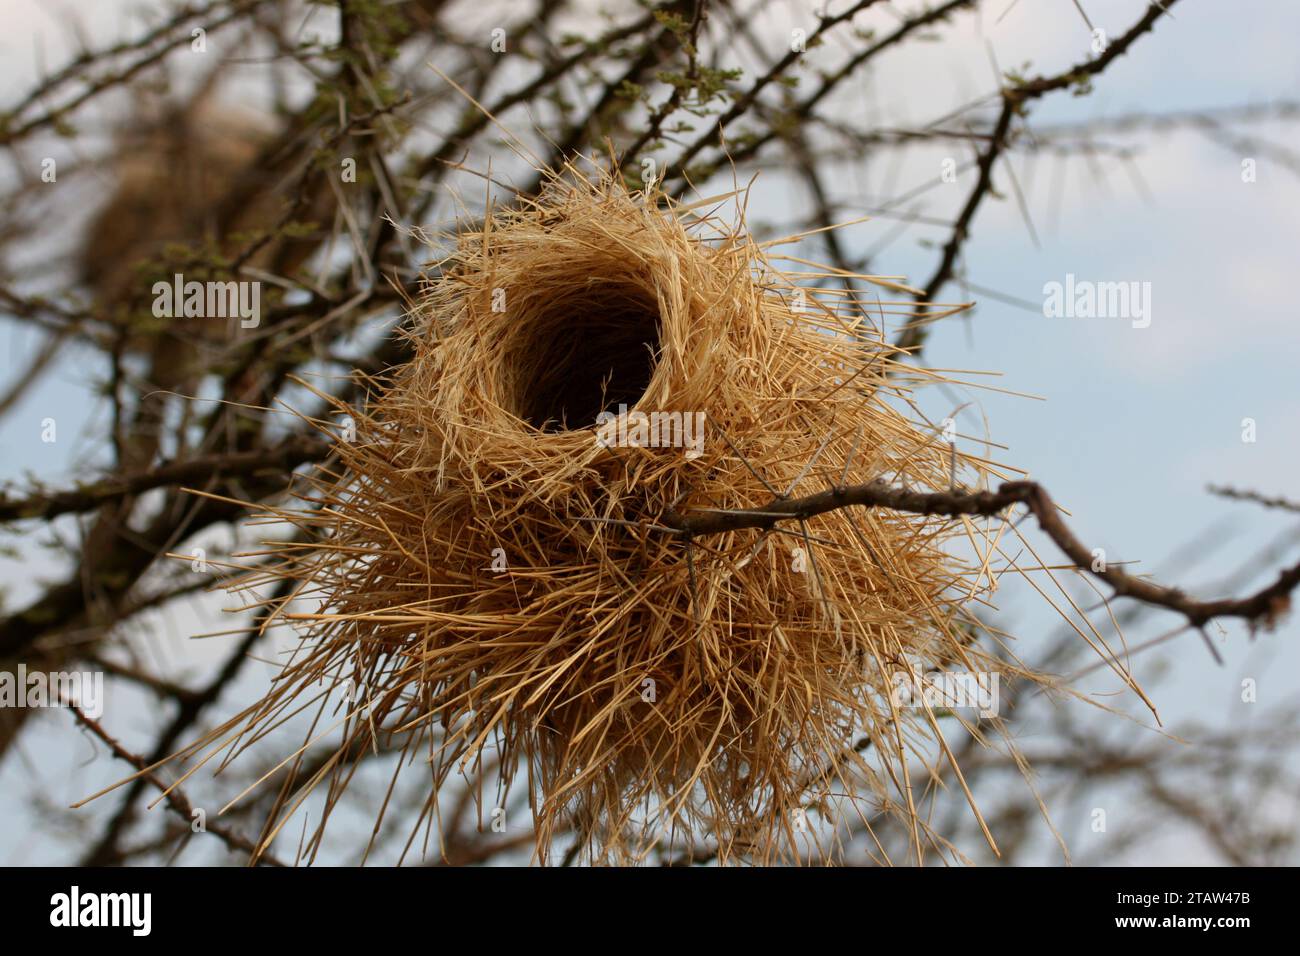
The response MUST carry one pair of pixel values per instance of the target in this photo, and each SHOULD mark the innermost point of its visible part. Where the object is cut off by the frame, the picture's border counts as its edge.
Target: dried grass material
(651, 687)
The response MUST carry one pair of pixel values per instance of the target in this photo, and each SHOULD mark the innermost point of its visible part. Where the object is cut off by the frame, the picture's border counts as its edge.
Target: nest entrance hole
(588, 355)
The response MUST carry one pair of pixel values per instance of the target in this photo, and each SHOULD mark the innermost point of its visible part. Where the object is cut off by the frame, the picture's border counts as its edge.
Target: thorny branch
(1015, 100)
(1263, 606)
(173, 794)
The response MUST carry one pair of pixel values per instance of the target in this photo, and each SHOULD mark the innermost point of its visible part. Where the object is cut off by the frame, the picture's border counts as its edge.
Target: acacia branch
(739, 152)
(174, 796)
(1262, 607)
(741, 104)
(1014, 98)
(11, 130)
(1226, 491)
(284, 457)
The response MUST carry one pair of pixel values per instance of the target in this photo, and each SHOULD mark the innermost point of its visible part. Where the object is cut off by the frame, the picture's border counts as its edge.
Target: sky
(1126, 426)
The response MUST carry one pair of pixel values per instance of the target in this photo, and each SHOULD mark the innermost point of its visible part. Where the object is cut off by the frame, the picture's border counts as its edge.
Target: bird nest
(508, 568)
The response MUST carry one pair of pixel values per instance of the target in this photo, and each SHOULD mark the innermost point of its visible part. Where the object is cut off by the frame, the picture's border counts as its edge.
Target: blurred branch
(1283, 504)
(278, 460)
(173, 794)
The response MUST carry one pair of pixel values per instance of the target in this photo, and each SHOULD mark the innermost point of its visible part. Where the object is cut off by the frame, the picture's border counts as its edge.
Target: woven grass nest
(498, 573)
